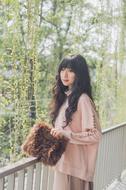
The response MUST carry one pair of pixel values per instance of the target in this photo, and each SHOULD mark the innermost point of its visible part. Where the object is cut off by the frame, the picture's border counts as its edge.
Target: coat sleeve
(91, 131)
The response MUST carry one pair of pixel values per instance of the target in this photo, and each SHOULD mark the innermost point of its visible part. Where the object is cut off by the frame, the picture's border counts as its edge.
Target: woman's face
(67, 77)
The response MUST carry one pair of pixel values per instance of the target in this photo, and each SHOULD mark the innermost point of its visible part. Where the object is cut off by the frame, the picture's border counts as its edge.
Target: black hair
(82, 84)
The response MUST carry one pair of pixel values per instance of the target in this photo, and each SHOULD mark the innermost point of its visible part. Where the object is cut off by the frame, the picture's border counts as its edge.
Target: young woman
(74, 116)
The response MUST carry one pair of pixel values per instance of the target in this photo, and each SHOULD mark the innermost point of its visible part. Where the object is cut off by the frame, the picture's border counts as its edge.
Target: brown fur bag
(41, 144)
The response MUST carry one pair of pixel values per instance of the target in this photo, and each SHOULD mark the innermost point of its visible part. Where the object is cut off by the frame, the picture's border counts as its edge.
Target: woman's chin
(65, 84)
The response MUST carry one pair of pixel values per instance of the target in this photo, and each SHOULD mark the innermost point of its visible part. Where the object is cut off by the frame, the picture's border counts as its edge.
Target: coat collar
(68, 92)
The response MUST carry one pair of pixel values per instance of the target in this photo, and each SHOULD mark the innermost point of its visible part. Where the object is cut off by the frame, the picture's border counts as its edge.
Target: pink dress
(75, 170)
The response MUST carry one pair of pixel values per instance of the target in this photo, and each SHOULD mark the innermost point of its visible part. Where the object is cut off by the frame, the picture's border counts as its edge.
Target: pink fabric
(84, 132)
(66, 182)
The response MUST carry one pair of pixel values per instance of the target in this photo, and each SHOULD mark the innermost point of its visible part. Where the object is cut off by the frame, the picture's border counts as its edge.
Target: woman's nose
(65, 73)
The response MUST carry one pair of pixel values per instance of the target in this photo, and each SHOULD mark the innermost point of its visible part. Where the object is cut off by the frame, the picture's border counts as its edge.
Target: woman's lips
(65, 80)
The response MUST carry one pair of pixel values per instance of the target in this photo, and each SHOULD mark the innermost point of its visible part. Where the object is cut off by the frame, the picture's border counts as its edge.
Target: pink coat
(84, 132)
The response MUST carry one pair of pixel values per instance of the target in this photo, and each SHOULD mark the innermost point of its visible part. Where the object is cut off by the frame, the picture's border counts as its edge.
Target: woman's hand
(57, 132)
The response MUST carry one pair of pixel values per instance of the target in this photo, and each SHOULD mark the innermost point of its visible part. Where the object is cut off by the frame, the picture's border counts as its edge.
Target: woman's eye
(70, 70)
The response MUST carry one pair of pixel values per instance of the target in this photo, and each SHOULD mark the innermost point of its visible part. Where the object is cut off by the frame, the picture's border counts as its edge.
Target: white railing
(111, 157)
(28, 174)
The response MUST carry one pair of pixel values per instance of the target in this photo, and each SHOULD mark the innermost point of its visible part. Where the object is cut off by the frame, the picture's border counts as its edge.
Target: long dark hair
(82, 84)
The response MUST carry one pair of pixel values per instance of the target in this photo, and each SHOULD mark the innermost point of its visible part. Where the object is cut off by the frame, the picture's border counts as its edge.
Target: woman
(74, 116)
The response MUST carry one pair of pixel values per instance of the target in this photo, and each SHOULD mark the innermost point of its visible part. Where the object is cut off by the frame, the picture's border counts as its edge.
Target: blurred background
(34, 36)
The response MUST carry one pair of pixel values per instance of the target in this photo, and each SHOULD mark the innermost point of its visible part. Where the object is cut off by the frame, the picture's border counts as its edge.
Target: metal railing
(28, 174)
(111, 156)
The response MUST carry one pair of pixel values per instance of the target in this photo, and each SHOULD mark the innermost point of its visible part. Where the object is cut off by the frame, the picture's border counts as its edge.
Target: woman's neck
(69, 87)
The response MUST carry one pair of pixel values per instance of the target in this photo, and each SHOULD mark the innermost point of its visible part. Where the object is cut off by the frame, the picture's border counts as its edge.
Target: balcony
(28, 174)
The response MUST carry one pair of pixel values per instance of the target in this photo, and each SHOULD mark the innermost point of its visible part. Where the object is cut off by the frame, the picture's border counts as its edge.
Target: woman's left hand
(57, 132)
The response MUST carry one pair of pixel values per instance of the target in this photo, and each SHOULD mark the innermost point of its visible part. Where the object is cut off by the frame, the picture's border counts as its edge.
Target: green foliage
(34, 36)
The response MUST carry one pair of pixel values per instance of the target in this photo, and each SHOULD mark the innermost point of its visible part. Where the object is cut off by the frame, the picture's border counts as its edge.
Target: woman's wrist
(67, 134)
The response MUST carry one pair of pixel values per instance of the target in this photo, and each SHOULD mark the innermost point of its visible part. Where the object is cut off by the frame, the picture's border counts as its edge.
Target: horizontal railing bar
(113, 128)
(17, 166)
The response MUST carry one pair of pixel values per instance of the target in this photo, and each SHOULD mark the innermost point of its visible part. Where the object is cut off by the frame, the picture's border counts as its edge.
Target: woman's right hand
(57, 132)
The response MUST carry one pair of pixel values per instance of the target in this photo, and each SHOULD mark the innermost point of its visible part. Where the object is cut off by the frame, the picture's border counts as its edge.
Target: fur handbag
(41, 144)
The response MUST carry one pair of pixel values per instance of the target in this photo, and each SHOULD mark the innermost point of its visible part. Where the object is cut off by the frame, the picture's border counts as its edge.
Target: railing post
(1, 184)
(21, 179)
(11, 182)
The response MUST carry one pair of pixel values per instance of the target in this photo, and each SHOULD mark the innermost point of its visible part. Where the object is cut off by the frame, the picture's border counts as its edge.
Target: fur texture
(41, 144)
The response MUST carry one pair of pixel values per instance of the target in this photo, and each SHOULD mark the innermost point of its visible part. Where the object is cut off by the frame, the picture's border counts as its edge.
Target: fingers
(55, 132)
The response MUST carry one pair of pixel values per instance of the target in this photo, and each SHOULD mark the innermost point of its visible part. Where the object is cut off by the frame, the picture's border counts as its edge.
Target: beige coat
(84, 132)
